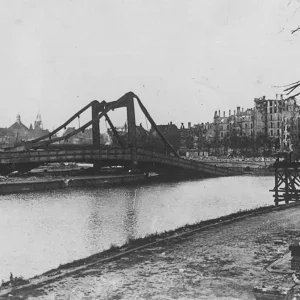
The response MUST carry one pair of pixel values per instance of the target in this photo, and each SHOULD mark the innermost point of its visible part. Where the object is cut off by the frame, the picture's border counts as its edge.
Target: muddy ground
(221, 262)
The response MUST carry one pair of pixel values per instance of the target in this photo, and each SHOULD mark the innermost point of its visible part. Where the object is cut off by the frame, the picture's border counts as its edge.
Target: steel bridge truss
(100, 110)
(33, 153)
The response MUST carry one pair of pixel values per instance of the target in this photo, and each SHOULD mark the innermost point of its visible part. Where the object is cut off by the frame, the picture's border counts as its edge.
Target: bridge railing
(111, 154)
(183, 163)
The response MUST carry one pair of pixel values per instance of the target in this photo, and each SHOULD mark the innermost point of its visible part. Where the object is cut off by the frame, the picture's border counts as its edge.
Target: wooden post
(276, 187)
(286, 181)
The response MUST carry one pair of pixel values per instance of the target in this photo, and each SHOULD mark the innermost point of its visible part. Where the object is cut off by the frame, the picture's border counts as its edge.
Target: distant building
(38, 130)
(278, 119)
(186, 137)
(142, 136)
(170, 132)
(18, 132)
(84, 138)
(21, 132)
(240, 123)
(7, 138)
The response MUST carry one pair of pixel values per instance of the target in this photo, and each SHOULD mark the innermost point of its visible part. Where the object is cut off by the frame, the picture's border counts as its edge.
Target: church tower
(38, 124)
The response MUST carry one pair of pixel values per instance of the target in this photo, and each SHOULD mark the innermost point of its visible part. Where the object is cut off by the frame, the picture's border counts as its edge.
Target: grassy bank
(115, 252)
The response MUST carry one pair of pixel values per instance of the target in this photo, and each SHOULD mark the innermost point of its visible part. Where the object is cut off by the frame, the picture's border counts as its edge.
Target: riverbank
(238, 160)
(32, 184)
(63, 179)
(222, 258)
(258, 166)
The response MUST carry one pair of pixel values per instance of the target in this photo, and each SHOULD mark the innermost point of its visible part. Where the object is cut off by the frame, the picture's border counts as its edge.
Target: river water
(39, 231)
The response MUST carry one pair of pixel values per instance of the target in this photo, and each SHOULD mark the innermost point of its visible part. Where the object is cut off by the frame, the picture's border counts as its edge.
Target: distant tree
(104, 139)
(235, 140)
(190, 142)
(261, 141)
(246, 143)
(276, 143)
(226, 144)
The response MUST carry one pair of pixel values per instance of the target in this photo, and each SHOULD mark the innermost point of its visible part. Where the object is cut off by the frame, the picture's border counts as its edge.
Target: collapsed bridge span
(32, 153)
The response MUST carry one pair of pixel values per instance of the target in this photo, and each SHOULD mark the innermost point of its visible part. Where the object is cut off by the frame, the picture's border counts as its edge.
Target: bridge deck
(112, 156)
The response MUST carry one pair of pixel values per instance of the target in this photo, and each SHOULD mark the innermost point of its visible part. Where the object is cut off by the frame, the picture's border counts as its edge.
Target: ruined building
(239, 123)
(275, 119)
(278, 119)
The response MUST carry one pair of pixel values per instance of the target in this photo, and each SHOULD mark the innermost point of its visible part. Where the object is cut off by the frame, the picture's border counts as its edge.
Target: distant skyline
(184, 59)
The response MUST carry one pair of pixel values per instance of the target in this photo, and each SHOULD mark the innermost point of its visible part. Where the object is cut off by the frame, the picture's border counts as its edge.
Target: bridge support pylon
(96, 133)
(132, 142)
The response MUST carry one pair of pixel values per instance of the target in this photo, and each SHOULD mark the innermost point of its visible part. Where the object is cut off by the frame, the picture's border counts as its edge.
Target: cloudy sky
(183, 58)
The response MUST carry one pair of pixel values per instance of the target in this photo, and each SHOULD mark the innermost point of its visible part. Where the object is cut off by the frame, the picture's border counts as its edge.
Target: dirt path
(222, 262)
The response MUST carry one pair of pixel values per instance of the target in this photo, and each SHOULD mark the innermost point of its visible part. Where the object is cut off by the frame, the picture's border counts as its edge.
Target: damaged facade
(272, 122)
(278, 119)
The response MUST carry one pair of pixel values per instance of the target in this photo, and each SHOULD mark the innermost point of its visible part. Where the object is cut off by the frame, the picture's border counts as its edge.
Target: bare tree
(295, 30)
(291, 89)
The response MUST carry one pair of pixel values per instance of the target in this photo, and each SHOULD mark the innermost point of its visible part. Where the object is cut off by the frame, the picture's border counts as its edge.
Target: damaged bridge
(48, 148)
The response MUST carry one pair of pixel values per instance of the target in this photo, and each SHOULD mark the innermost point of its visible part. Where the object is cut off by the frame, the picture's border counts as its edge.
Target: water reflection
(43, 230)
(130, 217)
(106, 209)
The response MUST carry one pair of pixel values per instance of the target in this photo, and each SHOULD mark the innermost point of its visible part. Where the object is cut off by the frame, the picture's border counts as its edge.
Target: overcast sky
(183, 58)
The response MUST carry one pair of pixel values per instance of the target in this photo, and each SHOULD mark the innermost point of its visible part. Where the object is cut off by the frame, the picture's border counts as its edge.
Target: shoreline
(58, 180)
(66, 182)
(116, 252)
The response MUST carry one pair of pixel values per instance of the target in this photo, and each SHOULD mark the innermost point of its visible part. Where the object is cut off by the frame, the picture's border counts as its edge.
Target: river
(39, 231)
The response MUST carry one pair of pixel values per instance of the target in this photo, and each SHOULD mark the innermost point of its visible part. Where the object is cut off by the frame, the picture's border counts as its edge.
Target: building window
(221, 134)
(278, 132)
(275, 110)
(245, 126)
(271, 133)
(251, 125)
(271, 118)
(271, 111)
(271, 125)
